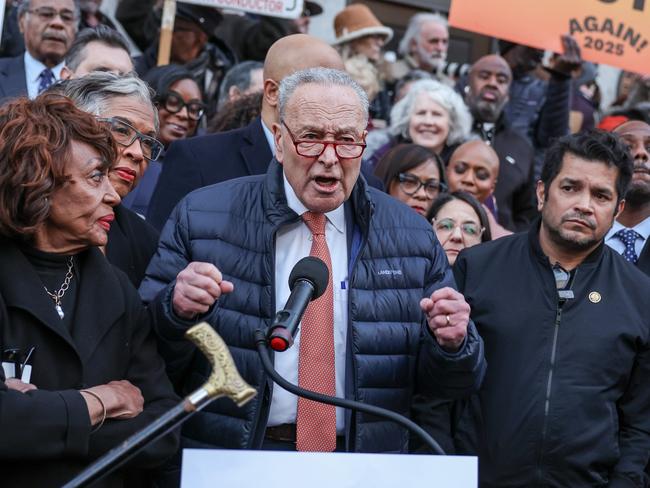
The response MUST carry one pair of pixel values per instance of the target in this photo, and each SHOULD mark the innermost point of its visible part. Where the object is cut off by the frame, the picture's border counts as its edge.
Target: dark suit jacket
(131, 244)
(46, 434)
(644, 259)
(515, 190)
(206, 160)
(12, 78)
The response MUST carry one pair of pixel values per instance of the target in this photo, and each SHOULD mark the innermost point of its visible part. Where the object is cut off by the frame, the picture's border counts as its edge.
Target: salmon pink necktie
(316, 422)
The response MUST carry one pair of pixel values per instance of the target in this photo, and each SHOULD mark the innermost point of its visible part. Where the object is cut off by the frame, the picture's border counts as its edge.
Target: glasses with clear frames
(125, 135)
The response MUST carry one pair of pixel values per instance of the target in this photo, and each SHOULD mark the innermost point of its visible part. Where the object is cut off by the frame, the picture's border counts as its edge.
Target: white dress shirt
(292, 243)
(269, 137)
(643, 228)
(33, 70)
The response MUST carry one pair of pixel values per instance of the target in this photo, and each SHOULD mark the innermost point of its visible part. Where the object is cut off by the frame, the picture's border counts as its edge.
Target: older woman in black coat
(80, 370)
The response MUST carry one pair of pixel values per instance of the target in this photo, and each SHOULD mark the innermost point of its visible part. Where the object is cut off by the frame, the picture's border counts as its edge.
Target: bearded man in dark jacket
(399, 326)
(567, 333)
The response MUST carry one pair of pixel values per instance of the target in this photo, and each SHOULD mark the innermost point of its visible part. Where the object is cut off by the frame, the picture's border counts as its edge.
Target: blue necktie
(629, 237)
(46, 79)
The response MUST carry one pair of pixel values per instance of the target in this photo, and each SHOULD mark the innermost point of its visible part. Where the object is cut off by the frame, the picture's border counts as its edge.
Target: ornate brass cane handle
(225, 380)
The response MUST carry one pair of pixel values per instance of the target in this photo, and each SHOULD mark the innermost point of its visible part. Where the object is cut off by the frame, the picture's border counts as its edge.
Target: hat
(207, 18)
(311, 9)
(356, 21)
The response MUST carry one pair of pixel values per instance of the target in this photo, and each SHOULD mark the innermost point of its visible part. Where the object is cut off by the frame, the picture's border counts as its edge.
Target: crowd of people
(485, 231)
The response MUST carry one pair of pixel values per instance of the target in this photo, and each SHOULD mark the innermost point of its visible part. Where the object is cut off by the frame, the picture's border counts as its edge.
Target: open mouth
(178, 130)
(428, 132)
(489, 96)
(326, 184)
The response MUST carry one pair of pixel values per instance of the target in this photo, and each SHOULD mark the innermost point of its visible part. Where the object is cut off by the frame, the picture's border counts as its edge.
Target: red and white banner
(288, 9)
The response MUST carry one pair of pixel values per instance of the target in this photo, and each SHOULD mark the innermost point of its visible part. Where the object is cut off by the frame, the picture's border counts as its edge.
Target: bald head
(632, 126)
(488, 87)
(474, 168)
(492, 62)
(477, 149)
(297, 52)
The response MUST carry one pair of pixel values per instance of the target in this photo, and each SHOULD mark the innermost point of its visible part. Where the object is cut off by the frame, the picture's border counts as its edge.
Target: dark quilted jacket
(395, 260)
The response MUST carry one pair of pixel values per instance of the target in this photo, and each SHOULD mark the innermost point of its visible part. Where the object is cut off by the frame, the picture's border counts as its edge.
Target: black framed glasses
(47, 14)
(470, 230)
(125, 135)
(312, 148)
(174, 103)
(411, 184)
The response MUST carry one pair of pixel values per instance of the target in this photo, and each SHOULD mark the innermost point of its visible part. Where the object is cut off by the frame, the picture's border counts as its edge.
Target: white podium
(203, 468)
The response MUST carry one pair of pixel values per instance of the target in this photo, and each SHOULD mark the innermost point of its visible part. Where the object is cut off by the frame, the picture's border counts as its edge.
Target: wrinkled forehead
(634, 130)
(56, 4)
(433, 29)
(335, 106)
(493, 65)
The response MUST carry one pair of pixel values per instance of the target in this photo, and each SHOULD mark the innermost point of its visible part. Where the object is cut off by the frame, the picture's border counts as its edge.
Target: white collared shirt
(292, 243)
(269, 137)
(33, 70)
(643, 228)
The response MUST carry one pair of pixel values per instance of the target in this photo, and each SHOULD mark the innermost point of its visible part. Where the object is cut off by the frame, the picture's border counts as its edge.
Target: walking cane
(223, 381)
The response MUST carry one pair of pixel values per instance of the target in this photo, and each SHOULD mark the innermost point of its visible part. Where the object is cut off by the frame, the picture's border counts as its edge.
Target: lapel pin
(594, 297)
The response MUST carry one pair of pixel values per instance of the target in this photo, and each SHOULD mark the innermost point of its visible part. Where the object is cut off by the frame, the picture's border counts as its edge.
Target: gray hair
(414, 28)
(240, 76)
(102, 34)
(25, 5)
(460, 120)
(320, 76)
(93, 92)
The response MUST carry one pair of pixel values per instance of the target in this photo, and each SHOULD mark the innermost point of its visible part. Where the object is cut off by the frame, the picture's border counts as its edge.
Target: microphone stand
(262, 350)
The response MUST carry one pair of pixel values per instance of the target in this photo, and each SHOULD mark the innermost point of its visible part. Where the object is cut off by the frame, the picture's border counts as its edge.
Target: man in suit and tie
(201, 161)
(629, 234)
(48, 28)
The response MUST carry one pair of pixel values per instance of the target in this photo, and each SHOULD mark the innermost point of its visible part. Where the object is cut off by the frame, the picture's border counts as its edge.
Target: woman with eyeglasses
(80, 371)
(124, 104)
(180, 109)
(412, 174)
(459, 221)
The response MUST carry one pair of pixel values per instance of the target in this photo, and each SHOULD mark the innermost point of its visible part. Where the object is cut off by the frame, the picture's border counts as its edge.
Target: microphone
(308, 280)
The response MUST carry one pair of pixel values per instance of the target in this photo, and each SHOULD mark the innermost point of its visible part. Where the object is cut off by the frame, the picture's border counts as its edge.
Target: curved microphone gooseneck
(308, 280)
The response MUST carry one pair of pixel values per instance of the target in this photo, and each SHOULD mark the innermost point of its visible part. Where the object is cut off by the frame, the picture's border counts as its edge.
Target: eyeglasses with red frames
(312, 148)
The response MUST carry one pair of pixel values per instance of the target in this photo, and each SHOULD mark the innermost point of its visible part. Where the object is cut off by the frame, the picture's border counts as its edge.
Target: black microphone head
(313, 270)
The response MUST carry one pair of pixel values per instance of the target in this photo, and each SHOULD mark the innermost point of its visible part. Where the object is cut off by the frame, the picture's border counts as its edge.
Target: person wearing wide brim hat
(360, 38)
(358, 31)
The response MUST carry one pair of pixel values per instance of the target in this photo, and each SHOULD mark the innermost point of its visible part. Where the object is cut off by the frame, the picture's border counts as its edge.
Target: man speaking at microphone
(389, 325)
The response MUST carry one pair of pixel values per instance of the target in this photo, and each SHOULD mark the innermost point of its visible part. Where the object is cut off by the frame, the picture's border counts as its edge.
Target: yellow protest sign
(613, 32)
